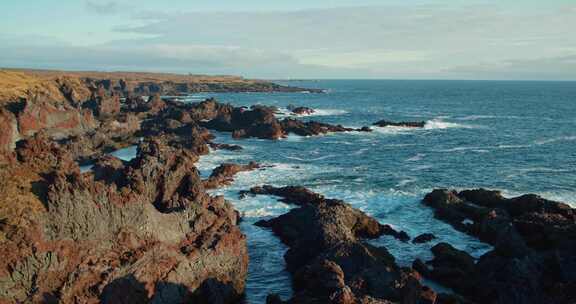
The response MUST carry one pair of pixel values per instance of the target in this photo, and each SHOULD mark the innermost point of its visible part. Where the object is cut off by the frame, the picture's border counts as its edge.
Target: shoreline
(142, 220)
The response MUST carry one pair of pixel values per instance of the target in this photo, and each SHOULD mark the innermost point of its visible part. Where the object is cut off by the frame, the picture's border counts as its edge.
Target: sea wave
(553, 140)
(438, 123)
(283, 113)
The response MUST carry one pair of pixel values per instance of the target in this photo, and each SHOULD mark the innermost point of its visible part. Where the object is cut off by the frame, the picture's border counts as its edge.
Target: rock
(143, 230)
(310, 128)
(224, 174)
(155, 104)
(405, 124)
(104, 105)
(527, 232)
(54, 119)
(423, 238)
(302, 111)
(327, 257)
(218, 146)
(295, 195)
(9, 135)
(273, 299)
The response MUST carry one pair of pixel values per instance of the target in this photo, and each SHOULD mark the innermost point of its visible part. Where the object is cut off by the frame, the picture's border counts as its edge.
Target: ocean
(518, 137)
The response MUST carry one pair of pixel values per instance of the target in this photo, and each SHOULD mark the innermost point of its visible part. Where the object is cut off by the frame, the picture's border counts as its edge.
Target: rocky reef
(533, 260)
(147, 230)
(329, 258)
(143, 230)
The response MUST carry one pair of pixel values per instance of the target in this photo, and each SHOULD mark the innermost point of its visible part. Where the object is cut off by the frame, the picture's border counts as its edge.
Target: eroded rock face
(534, 247)
(56, 120)
(143, 230)
(327, 257)
(9, 135)
(103, 104)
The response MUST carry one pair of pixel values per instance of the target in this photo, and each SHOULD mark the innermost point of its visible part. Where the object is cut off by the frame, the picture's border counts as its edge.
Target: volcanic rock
(327, 257)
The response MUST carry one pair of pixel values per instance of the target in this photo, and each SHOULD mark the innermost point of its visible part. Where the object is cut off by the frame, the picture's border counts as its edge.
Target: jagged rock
(103, 104)
(329, 260)
(141, 231)
(55, 120)
(155, 104)
(532, 237)
(9, 135)
(224, 174)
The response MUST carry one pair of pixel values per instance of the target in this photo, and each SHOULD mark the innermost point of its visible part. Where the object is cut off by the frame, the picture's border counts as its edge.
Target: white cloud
(422, 41)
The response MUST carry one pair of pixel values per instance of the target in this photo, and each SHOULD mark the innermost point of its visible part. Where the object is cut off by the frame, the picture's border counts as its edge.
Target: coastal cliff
(149, 229)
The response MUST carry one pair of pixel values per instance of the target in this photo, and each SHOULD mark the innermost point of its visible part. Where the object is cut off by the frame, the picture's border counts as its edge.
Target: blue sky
(417, 39)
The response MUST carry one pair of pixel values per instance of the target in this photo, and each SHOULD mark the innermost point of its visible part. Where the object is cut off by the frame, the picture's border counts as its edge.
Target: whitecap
(438, 123)
(553, 140)
(416, 157)
(284, 112)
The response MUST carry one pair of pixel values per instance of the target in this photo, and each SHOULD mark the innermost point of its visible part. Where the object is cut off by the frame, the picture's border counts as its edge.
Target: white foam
(283, 113)
(439, 124)
(553, 140)
(404, 211)
(416, 157)
(433, 124)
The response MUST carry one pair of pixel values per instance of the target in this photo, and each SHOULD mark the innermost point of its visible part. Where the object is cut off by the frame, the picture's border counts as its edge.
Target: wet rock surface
(328, 257)
(534, 247)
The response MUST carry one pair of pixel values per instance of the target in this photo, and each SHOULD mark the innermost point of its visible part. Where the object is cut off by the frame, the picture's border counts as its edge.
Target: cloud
(409, 41)
(550, 68)
(198, 59)
(102, 8)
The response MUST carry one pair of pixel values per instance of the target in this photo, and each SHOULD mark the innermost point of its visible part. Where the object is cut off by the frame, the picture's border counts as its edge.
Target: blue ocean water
(518, 137)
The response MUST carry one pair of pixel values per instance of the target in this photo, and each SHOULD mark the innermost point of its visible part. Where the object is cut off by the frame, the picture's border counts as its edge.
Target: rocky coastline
(148, 231)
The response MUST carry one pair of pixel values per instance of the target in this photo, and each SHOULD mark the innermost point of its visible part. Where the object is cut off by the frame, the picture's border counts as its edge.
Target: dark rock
(423, 238)
(406, 124)
(529, 234)
(218, 146)
(329, 260)
(302, 111)
(224, 174)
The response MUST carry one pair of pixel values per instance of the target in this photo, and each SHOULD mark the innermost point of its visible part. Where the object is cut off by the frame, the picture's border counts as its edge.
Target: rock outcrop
(534, 243)
(328, 258)
(141, 231)
(224, 174)
(9, 135)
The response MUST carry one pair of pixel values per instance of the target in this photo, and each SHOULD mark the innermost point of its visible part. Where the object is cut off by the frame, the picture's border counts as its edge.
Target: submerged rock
(423, 238)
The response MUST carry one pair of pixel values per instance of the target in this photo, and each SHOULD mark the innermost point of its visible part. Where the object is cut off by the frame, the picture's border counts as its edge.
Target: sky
(388, 39)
